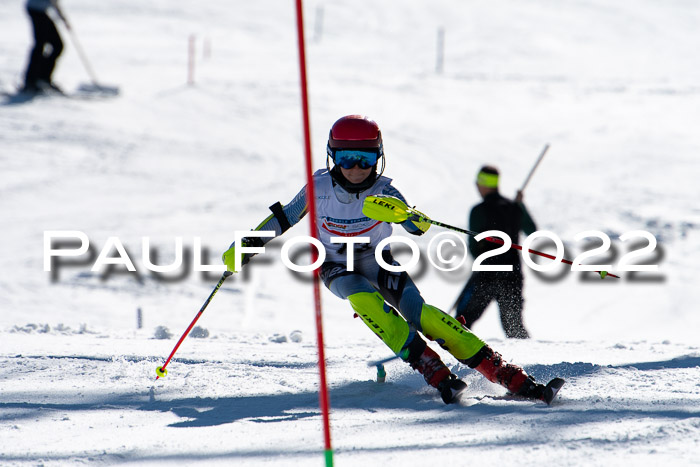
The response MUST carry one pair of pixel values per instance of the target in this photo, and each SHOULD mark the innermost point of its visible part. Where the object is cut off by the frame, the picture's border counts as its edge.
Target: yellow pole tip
(161, 372)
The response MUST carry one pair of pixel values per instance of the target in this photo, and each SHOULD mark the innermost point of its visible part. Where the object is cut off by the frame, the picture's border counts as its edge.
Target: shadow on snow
(407, 393)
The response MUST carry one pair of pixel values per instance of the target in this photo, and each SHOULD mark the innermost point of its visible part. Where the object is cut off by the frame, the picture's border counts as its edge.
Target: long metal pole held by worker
(539, 159)
(107, 90)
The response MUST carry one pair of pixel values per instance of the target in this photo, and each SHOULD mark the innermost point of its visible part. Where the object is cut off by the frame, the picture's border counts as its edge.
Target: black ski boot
(451, 389)
(551, 390)
(427, 362)
(532, 390)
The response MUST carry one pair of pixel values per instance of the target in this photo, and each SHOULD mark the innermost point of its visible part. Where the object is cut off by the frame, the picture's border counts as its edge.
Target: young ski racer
(389, 303)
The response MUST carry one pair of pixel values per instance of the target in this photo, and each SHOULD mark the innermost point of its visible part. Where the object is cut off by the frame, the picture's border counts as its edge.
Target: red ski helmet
(355, 132)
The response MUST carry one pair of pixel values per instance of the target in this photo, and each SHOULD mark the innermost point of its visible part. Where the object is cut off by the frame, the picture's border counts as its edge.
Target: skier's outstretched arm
(281, 219)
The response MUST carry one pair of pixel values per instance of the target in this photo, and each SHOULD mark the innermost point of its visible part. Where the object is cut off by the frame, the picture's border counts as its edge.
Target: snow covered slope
(613, 87)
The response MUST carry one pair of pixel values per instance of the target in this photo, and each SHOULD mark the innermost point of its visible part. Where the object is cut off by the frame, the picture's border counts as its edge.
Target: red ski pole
(161, 371)
(603, 274)
(389, 209)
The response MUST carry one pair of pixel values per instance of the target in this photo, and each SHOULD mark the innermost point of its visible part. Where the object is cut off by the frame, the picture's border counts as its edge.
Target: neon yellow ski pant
(391, 328)
(449, 333)
(382, 319)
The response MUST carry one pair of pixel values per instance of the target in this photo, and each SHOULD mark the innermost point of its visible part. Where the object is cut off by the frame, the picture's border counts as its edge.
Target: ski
(451, 389)
(18, 97)
(83, 92)
(96, 90)
(548, 395)
(551, 390)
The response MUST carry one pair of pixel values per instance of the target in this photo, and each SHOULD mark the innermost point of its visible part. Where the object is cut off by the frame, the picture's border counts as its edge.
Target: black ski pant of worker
(47, 47)
(504, 287)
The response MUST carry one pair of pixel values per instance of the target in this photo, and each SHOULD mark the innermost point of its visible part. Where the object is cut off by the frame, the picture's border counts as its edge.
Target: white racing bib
(336, 218)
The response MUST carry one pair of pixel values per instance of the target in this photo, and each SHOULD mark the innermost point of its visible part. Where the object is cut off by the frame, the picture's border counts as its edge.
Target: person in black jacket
(506, 287)
(47, 46)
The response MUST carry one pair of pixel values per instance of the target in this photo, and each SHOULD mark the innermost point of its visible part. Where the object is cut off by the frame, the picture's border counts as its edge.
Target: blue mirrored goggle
(349, 158)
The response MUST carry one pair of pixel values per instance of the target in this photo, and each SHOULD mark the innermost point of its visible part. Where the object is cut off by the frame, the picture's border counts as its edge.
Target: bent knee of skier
(411, 306)
(350, 284)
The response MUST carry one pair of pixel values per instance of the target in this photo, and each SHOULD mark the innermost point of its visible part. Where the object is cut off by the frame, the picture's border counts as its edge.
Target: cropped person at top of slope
(47, 46)
(389, 303)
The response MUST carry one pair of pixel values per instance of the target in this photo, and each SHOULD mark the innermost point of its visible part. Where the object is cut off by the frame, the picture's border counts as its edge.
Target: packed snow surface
(613, 87)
